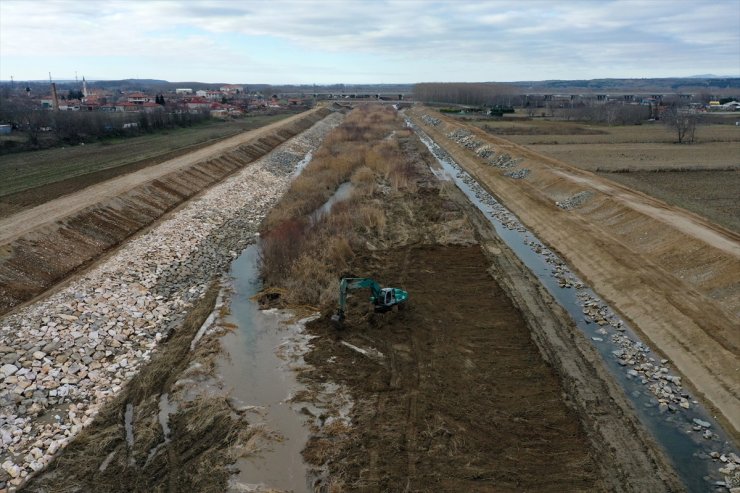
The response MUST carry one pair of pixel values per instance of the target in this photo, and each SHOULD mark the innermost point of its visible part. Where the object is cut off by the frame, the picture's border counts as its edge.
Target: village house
(197, 104)
(210, 95)
(138, 98)
(232, 89)
(127, 106)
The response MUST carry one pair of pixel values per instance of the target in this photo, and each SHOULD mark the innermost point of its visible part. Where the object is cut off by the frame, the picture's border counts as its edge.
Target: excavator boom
(383, 298)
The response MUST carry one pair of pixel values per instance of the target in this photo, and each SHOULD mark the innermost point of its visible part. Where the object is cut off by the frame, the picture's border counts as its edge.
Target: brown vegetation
(296, 245)
(459, 398)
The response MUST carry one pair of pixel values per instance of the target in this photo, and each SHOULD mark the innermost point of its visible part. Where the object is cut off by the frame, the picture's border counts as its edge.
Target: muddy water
(258, 377)
(675, 431)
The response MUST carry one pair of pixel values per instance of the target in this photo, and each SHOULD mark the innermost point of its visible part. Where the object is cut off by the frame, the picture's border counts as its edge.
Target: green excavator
(384, 299)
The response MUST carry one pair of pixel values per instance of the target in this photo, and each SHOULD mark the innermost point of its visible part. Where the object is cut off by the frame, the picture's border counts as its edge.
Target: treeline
(44, 128)
(475, 93)
(610, 113)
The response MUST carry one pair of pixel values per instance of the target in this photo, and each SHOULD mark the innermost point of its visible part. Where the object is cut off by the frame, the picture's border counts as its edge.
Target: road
(26, 221)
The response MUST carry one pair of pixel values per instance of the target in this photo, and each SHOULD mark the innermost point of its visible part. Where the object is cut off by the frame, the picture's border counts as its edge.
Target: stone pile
(63, 357)
(576, 200)
(465, 138)
(485, 151)
(518, 174)
(503, 161)
(430, 120)
(459, 134)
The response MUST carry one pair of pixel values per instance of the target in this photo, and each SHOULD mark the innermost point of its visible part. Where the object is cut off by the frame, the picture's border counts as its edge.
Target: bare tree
(683, 121)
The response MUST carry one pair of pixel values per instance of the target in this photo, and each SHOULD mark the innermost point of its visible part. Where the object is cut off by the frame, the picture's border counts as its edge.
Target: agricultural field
(703, 177)
(712, 194)
(30, 178)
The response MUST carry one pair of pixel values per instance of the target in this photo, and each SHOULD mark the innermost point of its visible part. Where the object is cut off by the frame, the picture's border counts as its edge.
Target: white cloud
(506, 39)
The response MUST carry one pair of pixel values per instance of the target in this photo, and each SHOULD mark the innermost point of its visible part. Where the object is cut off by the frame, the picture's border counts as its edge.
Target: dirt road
(689, 224)
(18, 224)
(672, 274)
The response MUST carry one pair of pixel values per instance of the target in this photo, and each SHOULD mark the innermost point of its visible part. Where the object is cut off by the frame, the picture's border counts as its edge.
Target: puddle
(128, 423)
(166, 409)
(342, 193)
(680, 431)
(259, 380)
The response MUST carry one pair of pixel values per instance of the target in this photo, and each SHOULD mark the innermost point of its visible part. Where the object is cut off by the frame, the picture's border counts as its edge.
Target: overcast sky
(343, 41)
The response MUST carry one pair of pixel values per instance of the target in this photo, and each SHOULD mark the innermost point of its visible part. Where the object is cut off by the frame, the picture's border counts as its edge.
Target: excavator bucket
(338, 318)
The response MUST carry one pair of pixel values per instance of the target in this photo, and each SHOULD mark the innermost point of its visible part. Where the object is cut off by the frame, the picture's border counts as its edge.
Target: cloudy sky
(369, 41)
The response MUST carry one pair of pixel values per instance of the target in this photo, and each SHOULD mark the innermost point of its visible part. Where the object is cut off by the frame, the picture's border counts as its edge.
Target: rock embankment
(38, 259)
(63, 357)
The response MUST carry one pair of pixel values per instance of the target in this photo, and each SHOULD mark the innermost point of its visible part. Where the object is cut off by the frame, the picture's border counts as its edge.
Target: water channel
(679, 431)
(261, 355)
(260, 380)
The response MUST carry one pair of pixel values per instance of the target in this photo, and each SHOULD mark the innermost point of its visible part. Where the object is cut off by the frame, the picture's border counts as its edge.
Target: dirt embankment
(671, 273)
(41, 246)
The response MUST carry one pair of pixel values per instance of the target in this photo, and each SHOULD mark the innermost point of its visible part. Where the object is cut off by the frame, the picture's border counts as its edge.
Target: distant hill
(660, 85)
(718, 86)
(712, 76)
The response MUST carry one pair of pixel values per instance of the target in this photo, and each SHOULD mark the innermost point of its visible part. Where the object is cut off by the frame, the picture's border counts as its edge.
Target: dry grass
(307, 259)
(363, 180)
(372, 218)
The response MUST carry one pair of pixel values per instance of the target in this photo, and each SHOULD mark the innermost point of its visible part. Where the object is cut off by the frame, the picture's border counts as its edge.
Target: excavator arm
(356, 283)
(383, 298)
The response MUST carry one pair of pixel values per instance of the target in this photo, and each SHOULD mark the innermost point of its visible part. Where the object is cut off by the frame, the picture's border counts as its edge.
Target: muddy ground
(127, 449)
(462, 400)
(480, 384)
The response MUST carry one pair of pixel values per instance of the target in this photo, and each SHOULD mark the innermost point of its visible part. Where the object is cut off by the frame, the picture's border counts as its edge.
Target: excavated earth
(672, 274)
(41, 246)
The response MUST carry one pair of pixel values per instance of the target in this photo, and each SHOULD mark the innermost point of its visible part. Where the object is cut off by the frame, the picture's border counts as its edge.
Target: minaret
(84, 87)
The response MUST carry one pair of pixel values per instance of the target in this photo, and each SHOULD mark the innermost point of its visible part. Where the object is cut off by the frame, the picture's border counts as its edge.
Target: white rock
(9, 369)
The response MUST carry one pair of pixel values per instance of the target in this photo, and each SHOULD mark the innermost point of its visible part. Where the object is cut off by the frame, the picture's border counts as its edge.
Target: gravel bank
(63, 357)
